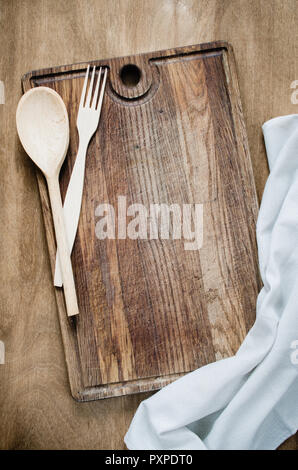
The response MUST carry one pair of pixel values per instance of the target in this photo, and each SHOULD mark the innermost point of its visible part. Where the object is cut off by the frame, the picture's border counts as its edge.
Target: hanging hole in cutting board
(130, 75)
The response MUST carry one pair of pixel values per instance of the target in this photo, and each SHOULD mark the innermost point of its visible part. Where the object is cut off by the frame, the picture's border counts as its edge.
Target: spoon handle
(62, 245)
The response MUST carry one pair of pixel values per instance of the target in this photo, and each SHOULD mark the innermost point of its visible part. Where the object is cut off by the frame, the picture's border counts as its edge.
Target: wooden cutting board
(171, 132)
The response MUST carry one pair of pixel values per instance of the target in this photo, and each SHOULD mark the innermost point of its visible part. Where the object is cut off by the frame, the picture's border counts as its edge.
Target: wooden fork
(87, 123)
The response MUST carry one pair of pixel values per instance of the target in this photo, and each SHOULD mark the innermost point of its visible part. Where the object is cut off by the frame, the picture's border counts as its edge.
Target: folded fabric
(250, 400)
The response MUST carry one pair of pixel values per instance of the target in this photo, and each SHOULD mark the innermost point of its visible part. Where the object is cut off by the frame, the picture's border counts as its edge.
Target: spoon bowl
(43, 128)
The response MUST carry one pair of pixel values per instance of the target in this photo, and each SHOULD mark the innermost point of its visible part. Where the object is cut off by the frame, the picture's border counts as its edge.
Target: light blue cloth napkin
(250, 400)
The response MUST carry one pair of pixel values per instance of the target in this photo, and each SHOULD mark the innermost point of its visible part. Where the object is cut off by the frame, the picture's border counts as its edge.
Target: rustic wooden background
(36, 408)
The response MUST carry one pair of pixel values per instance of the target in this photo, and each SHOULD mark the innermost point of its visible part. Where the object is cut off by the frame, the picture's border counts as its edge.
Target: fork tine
(102, 90)
(94, 101)
(90, 89)
(83, 94)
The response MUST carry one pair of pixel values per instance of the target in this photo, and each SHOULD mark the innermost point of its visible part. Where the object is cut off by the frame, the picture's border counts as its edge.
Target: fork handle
(72, 205)
(64, 253)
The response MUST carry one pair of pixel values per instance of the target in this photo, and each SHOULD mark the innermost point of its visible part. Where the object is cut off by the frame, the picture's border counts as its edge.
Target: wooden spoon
(43, 128)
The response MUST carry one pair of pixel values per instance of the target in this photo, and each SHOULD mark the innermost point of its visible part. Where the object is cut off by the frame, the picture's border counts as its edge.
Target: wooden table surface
(36, 408)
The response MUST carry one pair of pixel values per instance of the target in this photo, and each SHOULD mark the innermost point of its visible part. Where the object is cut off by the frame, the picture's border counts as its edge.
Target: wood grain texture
(150, 310)
(37, 410)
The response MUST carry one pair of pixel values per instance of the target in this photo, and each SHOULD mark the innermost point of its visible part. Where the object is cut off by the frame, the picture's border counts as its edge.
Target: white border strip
(2, 93)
